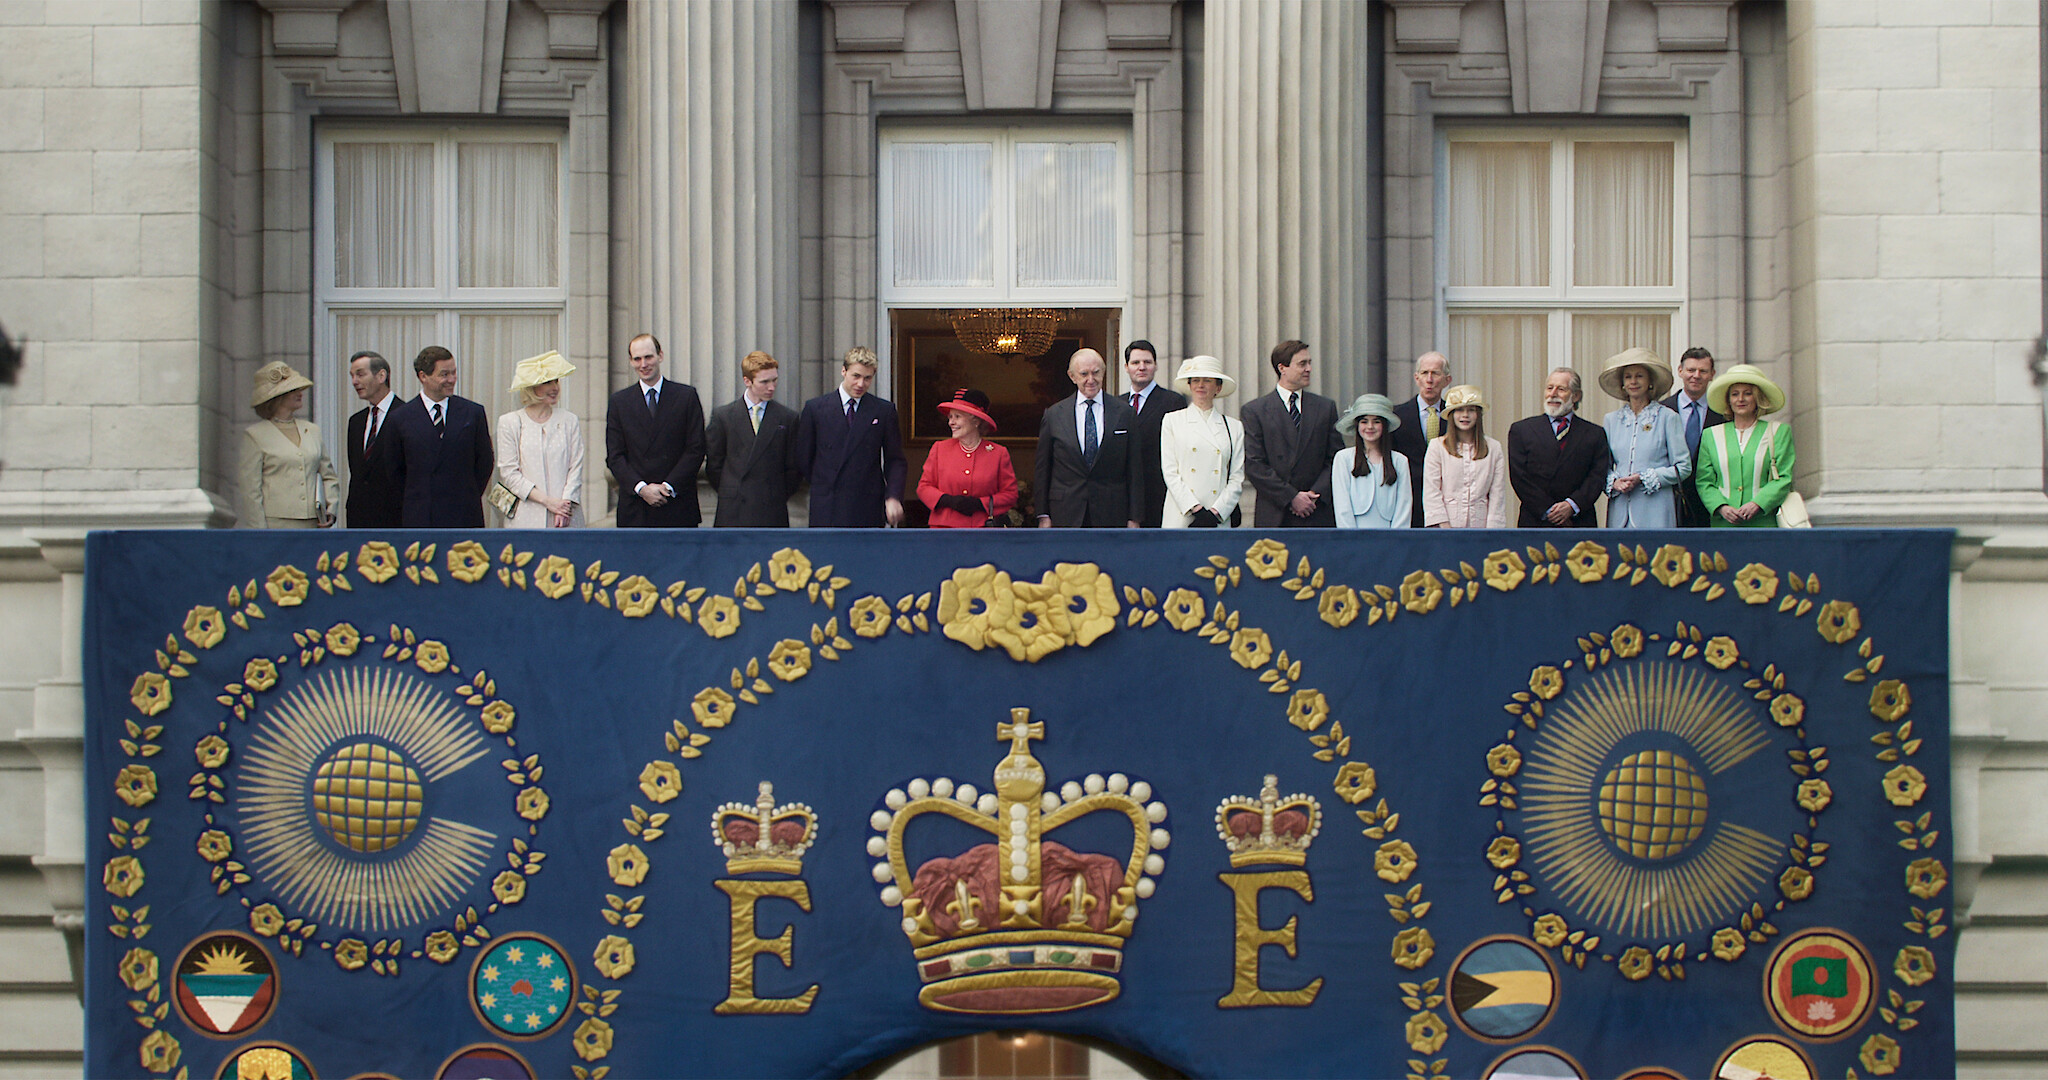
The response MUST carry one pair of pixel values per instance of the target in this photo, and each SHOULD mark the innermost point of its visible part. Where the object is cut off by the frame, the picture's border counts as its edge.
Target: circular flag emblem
(1818, 985)
(1652, 1072)
(1764, 1056)
(1502, 989)
(1535, 1063)
(272, 1061)
(226, 985)
(484, 1061)
(523, 986)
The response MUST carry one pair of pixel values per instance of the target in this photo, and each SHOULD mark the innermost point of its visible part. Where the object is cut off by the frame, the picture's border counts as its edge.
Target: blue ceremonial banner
(753, 803)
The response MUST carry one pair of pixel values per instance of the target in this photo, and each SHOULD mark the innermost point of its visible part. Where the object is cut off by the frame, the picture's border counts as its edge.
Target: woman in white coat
(1647, 440)
(286, 479)
(1369, 478)
(1201, 451)
(1464, 472)
(540, 448)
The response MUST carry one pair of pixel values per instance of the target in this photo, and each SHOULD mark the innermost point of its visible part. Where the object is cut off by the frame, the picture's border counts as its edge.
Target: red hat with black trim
(972, 402)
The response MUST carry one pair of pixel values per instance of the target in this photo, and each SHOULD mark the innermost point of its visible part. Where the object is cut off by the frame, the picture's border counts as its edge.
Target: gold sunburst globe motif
(1653, 805)
(367, 797)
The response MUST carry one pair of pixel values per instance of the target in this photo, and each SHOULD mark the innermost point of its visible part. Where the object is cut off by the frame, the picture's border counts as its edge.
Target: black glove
(965, 504)
(1204, 518)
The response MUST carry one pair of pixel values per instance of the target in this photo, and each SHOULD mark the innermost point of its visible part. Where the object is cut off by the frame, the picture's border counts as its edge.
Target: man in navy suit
(436, 449)
(1695, 371)
(374, 502)
(1087, 473)
(1558, 460)
(1152, 402)
(849, 445)
(654, 444)
(750, 455)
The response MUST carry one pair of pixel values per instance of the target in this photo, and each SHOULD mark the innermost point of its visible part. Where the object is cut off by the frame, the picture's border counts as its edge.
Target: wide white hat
(535, 370)
(1660, 372)
(1204, 367)
(1772, 398)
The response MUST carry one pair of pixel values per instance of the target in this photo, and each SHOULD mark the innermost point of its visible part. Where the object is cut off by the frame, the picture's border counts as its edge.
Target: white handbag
(1792, 514)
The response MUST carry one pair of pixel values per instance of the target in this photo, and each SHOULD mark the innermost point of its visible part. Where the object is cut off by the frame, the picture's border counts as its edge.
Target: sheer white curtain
(942, 213)
(1621, 213)
(489, 346)
(383, 215)
(506, 214)
(395, 336)
(1500, 204)
(1066, 214)
(1506, 357)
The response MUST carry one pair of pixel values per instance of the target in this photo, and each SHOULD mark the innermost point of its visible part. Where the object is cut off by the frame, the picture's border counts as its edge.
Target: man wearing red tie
(374, 502)
(1558, 461)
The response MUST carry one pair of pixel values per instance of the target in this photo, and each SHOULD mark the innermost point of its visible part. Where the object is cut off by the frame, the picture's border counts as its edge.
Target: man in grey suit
(750, 451)
(1689, 401)
(1087, 468)
(1290, 436)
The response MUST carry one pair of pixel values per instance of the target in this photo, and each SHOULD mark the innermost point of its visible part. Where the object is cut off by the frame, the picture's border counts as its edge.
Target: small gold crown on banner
(764, 837)
(1269, 829)
(1024, 924)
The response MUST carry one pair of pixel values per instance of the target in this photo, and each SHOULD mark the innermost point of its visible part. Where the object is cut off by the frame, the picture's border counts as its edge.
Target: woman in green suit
(1744, 471)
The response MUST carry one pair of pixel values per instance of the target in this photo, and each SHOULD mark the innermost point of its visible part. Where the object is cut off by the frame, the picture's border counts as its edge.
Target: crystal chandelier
(1006, 331)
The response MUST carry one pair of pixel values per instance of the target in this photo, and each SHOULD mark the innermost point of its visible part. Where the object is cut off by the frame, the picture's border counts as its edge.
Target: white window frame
(1561, 299)
(334, 398)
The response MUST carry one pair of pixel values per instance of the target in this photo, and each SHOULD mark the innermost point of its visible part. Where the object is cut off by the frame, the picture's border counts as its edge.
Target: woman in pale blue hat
(540, 448)
(1369, 479)
(1647, 441)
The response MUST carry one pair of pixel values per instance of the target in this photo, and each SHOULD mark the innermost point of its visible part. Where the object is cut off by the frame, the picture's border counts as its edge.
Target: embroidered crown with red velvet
(1271, 829)
(764, 837)
(1023, 924)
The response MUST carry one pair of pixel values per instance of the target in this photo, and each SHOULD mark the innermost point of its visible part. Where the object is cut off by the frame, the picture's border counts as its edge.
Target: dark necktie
(1134, 401)
(371, 440)
(1562, 424)
(440, 426)
(1091, 440)
(653, 399)
(1294, 409)
(852, 405)
(1692, 426)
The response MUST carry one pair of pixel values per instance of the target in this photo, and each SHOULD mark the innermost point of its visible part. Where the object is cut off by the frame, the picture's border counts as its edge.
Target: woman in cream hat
(1647, 441)
(1201, 451)
(540, 448)
(1368, 480)
(1745, 465)
(286, 480)
(1464, 472)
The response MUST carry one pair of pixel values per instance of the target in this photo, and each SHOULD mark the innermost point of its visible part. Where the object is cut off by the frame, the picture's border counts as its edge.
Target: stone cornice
(179, 508)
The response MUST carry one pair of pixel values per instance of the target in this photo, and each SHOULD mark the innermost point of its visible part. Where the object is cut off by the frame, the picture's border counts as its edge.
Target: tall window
(1004, 216)
(436, 236)
(1558, 247)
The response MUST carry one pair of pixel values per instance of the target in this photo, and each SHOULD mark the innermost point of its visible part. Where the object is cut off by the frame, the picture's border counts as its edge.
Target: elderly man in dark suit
(750, 451)
(1151, 402)
(1290, 436)
(1689, 401)
(436, 449)
(654, 444)
(1086, 474)
(1422, 419)
(1558, 460)
(374, 502)
(849, 444)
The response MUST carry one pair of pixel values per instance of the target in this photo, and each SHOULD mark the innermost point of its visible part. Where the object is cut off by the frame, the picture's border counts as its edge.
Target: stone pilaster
(712, 108)
(1285, 157)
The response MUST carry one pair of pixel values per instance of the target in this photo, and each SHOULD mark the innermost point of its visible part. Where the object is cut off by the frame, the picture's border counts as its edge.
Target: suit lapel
(746, 438)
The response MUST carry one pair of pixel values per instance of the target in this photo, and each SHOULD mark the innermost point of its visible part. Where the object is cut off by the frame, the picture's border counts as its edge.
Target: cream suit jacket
(284, 486)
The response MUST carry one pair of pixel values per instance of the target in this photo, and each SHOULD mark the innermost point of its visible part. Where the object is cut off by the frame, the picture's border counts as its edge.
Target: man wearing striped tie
(1422, 419)
(1557, 460)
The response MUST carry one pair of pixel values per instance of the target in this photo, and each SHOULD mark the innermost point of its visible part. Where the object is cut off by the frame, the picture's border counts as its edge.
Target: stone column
(712, 108)
(57, 739)
(1286, 168)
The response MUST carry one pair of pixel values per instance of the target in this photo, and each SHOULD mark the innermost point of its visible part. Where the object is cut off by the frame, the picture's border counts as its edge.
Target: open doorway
(1036, 1054)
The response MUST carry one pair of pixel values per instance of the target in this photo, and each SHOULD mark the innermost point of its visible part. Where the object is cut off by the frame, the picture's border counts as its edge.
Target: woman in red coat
(967, 479)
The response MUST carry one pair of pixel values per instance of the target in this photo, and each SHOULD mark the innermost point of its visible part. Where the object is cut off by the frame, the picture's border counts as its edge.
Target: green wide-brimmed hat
(1368, 405)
